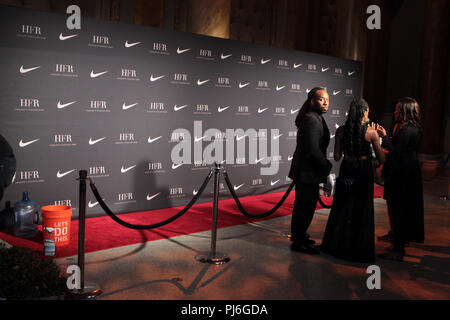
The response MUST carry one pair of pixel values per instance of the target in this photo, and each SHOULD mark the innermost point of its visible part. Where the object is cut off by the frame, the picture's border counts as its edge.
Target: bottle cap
(25, 196)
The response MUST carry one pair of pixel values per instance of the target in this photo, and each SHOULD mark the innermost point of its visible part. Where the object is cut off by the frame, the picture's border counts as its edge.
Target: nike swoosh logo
(237, 187)
(290, 158)
(325, 69)
(24, 144)
(92, 142)
(25, 70)
(63, 37)
(126, 107)
(294, 110)
(220, 109)
(279, 88)
(194, 192)
(277, 136)
(350, 73)
(243, 85)
(150, 140)
(152, 78)
(241, 137)
(149, 197)
(336, 92)
(222, 56)
(60, 105)
(332, 136)
(60, 175)
(297, 65)
(123, 170)
(91, 205)
(261, 110)
(129, 45)
(174, 166)
(273, 183)
(176, 108)
(259, 160)
(264, 61)
(201, 82)
(180, 51)
(197, 139)
(95, 75)
(308, 90)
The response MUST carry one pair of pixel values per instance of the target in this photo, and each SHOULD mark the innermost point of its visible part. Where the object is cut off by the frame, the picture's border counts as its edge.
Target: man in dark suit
(310, 166)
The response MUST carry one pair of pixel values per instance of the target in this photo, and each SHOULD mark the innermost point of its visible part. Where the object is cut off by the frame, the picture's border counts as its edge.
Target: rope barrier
(155, 225)
(323, 204)
(242, 209)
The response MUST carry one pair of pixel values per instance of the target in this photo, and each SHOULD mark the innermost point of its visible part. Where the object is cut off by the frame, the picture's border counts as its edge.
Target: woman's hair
(408, 113)
(353, 130)
(306, 105)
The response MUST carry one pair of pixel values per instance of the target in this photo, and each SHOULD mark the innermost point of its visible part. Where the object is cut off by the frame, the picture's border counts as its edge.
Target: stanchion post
(214, 257)
(215, 212)
(87, 290)
(82, 224)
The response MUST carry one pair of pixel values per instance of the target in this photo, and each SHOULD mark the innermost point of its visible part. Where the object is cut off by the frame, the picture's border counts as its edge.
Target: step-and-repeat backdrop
(145, 110)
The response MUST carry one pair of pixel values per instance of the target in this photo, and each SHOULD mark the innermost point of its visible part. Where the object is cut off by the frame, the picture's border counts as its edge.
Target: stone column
(376, 64)
(148, 13)
(210, 18)
(433, 72)
(432, 82)
(351, 31)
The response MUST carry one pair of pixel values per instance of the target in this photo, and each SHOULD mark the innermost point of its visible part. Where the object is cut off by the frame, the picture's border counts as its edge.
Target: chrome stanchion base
(219, 258)
(91, 291)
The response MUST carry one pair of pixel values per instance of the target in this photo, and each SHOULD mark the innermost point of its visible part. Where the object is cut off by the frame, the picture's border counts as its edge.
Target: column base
(430, 164)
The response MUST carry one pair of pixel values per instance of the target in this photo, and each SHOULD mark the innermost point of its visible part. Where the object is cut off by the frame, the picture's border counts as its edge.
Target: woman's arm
(374, 138)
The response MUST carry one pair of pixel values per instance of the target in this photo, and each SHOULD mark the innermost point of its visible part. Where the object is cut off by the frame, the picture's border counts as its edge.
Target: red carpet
(103, 233)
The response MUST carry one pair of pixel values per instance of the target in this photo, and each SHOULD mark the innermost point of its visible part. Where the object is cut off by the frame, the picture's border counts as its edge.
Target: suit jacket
(310, 163)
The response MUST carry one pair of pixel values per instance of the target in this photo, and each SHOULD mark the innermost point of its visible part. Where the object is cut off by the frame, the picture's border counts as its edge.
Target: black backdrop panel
(114, 99)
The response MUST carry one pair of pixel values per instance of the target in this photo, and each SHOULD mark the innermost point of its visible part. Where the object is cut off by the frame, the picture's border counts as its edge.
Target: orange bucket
(56, 224)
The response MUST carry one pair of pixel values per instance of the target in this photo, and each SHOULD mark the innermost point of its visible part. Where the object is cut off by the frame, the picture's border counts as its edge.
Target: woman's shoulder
(409, 130)
(371, 134)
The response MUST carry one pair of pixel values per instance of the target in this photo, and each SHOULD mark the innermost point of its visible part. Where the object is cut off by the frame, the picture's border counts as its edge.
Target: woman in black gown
(403, 189)
(349, 233)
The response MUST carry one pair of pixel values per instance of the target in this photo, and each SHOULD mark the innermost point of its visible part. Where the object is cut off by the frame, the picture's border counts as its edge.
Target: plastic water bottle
(49, 248)
(26, 217)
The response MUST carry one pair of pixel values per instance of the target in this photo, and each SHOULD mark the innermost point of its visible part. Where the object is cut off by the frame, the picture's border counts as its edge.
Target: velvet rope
(242, 209)
(323, 204)
(150, 226)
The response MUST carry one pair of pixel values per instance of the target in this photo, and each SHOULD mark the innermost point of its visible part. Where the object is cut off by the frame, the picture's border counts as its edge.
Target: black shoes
(389, 237)
(306, 240)
(305, 248)
(305, 245)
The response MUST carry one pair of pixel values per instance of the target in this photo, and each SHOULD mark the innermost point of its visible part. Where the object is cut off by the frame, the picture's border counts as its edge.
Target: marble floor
(262, 266)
